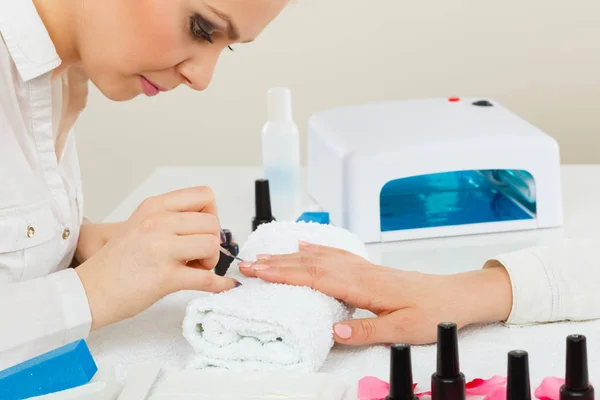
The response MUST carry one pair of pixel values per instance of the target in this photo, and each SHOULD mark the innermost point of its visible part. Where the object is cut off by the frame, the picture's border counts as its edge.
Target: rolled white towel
(262, 326)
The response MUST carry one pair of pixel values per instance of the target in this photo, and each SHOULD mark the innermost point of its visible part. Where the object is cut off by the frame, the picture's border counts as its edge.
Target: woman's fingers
(203, 247)
(183, 223)
(198, 199)
(206, 281)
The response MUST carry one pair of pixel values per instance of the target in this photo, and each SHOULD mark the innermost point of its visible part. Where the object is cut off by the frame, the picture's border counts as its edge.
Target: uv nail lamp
(432, 168)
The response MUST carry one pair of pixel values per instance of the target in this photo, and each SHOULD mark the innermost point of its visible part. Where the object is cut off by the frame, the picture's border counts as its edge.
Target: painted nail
(263, 256)
(245, 264)
(238, 284)
(260, 267)
(343, 331)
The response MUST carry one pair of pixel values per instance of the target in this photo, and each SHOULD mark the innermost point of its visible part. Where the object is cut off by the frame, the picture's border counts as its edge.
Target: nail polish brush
(229, 254)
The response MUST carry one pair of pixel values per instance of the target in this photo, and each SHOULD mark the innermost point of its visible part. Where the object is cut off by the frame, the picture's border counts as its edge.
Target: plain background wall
(539, 58)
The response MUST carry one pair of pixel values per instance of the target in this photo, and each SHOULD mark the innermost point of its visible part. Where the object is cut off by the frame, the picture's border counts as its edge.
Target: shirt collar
(27, 39)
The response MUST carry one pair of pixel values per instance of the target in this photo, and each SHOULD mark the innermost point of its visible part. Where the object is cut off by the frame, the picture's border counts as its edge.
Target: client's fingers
(315, 277)
(381, 330)
(296, 260)
(330, 259)
(325, 250)
(206, 281)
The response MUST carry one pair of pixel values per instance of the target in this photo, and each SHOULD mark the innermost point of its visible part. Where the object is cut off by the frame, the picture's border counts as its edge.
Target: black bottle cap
(401, 380)
(448, 383)
(518, 386)
(576, 377)
(447, 351)
(262, 197)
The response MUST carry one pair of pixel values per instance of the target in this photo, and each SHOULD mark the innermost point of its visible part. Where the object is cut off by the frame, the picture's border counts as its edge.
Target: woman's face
(132, 47)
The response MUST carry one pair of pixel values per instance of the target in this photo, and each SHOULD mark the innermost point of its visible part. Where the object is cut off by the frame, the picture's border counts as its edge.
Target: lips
(149, 88)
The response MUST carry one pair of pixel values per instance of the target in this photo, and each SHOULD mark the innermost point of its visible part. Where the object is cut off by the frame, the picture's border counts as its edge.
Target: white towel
(269, 327)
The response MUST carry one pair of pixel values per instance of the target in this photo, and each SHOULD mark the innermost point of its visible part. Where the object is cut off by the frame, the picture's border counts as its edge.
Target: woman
(49, 50)
(536, 285)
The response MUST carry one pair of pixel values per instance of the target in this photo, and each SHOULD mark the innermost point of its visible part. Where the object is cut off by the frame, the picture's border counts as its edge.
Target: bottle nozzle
(280, 104)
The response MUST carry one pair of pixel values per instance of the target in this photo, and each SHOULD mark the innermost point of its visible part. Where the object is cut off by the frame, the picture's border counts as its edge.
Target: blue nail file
(64, 368)
(314, 216)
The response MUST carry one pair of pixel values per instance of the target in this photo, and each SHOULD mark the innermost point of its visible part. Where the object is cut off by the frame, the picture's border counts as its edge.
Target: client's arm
(535, 285)
(554, 283)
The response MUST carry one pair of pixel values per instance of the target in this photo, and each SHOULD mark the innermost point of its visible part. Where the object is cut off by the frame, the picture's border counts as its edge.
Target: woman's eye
(200, 29)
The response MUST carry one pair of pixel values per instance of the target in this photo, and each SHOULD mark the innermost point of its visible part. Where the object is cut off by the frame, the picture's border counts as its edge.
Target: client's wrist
(488, 294)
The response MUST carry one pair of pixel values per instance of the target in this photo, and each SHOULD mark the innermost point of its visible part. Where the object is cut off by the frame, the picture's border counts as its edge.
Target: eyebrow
(232, 30)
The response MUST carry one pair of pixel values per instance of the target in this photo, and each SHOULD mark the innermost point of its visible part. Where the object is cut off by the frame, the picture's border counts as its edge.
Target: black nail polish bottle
(518, 386)
(401, 380)
(262, 199)
(448, 383)
(224, 260)
(577, 385)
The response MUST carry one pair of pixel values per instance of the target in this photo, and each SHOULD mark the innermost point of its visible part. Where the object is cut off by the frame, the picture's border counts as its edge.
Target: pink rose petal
(549, 389)
(371, 388)
(480, 386)
(498, 393)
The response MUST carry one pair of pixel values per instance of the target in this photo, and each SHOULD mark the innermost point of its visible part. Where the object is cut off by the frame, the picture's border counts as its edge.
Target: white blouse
(42, 301)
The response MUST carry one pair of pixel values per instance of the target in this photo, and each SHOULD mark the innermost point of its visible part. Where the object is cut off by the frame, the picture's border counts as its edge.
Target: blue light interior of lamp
(457, 198)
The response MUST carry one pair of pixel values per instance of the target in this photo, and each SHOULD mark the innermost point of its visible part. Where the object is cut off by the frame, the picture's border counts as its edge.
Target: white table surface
(155, 335)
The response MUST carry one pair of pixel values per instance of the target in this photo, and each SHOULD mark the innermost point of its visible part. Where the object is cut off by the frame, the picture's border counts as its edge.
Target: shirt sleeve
(554, 283)
(40, 315)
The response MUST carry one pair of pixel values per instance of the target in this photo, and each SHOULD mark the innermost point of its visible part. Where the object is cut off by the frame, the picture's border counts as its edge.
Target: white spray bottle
(281, 156)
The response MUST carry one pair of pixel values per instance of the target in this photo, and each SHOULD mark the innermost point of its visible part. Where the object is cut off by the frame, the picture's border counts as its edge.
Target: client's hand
(409, 305)
(169, 244)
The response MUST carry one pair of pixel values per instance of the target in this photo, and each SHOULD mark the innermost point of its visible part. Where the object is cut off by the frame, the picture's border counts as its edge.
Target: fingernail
(238, 284)
(263, 256)
(260, 267)
(245, 264)
(343, 331)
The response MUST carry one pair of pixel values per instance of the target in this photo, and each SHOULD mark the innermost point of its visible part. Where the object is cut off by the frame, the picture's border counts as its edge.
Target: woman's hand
(408, 305)
(93, 237)
(169, 244)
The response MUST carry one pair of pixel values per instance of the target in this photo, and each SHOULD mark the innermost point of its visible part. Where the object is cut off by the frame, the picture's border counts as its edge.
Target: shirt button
(66, 234)
(30, 231)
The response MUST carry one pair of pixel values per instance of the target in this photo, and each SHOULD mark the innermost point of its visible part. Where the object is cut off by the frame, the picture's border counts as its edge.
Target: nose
(198, 70)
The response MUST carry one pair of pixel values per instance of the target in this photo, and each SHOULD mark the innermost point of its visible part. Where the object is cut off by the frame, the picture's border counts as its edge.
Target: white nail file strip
(218, 385)
(140, 382)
